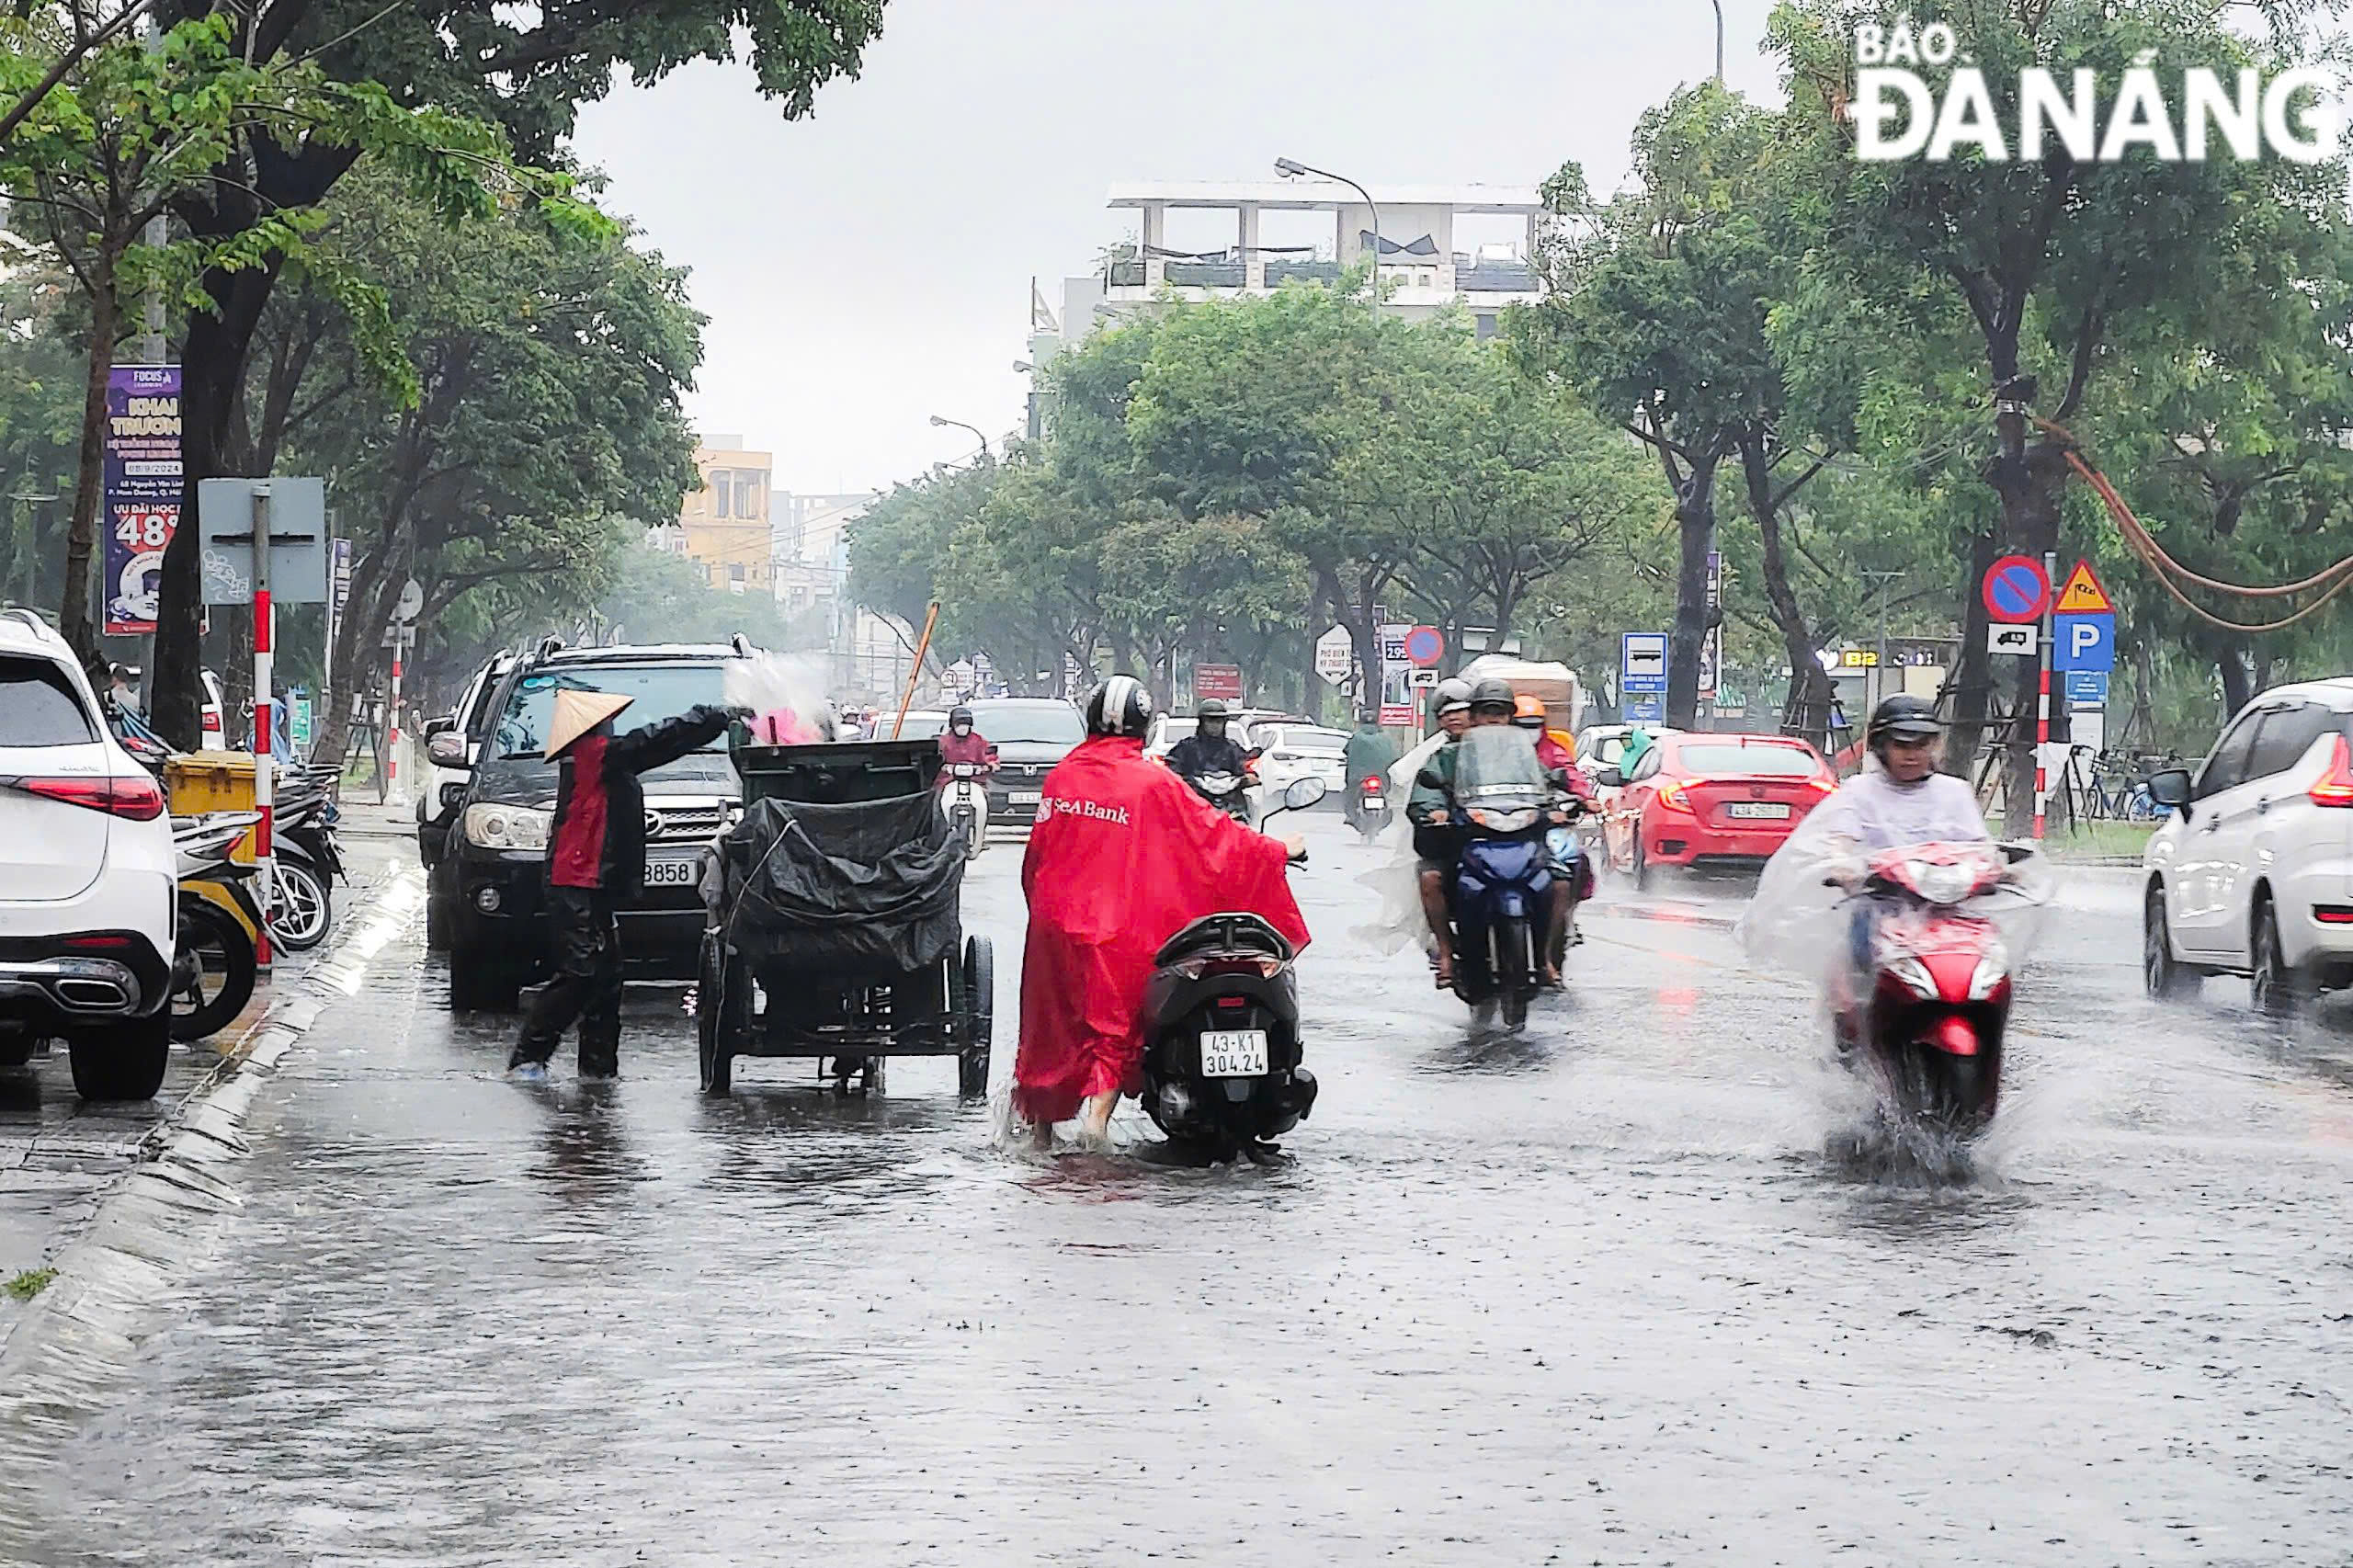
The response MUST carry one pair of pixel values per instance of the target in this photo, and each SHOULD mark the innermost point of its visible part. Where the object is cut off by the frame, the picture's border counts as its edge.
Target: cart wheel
(722, 1013)
(980, 1008)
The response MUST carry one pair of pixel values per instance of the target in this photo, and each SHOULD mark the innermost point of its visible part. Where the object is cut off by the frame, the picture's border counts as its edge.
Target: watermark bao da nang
(2176, 111)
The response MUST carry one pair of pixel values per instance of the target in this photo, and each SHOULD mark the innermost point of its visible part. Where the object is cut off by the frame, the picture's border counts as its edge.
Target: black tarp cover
(864, 889)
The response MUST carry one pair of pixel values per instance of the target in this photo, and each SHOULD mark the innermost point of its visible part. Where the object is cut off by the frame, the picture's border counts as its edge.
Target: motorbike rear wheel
(300, 908)
(213, 971)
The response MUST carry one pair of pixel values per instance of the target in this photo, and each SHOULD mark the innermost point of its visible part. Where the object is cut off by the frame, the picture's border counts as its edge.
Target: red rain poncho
(1124, 857)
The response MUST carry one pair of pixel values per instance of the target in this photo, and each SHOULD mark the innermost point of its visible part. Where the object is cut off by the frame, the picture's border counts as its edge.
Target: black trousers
(585, 946)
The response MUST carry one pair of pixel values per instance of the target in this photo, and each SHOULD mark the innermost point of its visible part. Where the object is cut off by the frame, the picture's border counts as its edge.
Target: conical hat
(576, 713)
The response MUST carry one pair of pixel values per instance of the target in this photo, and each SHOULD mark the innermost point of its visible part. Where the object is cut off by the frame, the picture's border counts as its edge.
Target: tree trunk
(1695, 527)
(2232, 663)
(213, 369)
(74, 621)
(1808, 713)
(1971, 683)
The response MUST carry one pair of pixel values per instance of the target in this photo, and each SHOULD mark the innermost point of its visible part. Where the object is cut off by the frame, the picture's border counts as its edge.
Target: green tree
(2053, 261)
(526, 70)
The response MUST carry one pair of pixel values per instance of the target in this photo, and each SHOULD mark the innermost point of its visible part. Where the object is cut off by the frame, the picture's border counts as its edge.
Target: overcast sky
(870, 267)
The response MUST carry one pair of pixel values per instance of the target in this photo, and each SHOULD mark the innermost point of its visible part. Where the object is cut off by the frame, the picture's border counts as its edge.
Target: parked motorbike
(965, 798)
(306, 858)
(1929, 1006)
(213, 966)
(1372, 804)
(1222, 1064)
(1500, 895)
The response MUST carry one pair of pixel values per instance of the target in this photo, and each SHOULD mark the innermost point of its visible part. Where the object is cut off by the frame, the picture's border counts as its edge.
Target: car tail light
(1673, 798)
(2336, 786)
(1823, 786)
(134, 796)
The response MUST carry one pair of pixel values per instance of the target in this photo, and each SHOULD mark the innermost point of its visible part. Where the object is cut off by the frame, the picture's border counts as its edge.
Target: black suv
(493, 869)
(1031, 735)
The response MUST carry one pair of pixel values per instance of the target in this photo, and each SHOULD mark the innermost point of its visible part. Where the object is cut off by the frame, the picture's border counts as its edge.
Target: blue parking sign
(2083, 641)
(2086, 688)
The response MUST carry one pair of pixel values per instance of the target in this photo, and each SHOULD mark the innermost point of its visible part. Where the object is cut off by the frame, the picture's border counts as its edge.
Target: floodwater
(1591, 1293)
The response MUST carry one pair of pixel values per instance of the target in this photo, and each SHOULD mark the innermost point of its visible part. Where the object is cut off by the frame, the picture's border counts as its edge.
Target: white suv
(89, 881)
(2253, 874)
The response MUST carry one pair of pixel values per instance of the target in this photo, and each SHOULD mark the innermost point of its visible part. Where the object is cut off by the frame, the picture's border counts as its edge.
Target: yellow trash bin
(202, 781)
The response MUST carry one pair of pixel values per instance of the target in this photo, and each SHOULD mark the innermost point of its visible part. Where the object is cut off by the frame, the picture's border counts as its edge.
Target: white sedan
(1293, 751)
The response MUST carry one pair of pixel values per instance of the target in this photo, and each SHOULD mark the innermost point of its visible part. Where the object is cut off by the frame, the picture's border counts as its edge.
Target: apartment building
(725, 526)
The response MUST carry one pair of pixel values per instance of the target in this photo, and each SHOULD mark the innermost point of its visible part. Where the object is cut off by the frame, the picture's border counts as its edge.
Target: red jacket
(1124, 855)
(955, 749)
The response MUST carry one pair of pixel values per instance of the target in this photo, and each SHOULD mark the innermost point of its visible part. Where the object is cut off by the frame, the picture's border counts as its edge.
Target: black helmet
(1211, 708)
(1120, 706)
(1902, 717)
(1491, 693)
(1453, 693)
(960, 714)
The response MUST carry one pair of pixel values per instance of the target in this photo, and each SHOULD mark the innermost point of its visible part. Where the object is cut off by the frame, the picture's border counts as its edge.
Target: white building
(1426, 260)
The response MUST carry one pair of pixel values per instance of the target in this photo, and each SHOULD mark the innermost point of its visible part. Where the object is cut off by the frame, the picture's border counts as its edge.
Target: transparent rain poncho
(1802, 918)
(1396, 922)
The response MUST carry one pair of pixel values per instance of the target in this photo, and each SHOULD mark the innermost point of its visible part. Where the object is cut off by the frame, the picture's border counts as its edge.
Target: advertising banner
(1223, 681)
(141, 490)
(1398, 704)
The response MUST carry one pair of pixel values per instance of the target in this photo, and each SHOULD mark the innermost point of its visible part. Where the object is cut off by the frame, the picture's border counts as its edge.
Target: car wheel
(2274, 986)
(2162, 974)
(123, 1063)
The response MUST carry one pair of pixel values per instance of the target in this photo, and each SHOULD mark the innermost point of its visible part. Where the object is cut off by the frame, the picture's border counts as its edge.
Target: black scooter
(1221, 1067)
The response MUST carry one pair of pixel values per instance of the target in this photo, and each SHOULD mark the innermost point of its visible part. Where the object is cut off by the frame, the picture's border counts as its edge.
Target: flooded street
(1593, 1293)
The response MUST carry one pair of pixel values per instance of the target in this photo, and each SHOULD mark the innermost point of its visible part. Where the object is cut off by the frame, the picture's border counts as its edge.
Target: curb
(65, 1350)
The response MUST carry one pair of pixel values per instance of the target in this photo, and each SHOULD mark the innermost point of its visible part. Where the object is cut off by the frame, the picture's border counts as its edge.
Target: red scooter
(1938, 973)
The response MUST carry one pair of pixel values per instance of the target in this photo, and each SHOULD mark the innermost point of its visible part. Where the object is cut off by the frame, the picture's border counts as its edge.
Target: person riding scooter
(1367, 755)
(1898, 798)
(1123, 857)
(1209, 752)
(963, 745)
(1573, 873)
(1433, 807)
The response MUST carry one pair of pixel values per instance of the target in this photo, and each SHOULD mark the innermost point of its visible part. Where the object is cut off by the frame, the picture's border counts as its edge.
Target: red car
(1713, 799)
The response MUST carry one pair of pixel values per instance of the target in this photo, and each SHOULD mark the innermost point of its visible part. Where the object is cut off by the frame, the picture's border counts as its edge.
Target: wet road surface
(1594, 1293)
(58, 1154)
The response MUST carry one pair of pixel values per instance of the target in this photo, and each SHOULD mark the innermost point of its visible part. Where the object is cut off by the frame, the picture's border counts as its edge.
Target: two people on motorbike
(1440, 823)
(1125, 854)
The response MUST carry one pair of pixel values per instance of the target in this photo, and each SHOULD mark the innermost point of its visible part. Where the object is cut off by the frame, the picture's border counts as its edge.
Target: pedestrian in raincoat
(597, 860)
(1124, 855)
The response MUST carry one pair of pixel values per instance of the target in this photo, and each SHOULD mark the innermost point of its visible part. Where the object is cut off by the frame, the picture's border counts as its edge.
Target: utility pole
(1720, 42)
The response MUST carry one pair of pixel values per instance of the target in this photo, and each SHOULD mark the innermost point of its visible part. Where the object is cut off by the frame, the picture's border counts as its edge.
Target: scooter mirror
(1609, 778)
(1301, 793)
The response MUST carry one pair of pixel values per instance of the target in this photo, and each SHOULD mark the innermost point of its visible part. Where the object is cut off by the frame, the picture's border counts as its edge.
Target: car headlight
(507, 827)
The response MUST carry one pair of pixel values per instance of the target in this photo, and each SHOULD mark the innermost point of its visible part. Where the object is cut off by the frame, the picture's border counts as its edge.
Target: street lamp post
(1720, 42)
(960, 425)
(1290, 167)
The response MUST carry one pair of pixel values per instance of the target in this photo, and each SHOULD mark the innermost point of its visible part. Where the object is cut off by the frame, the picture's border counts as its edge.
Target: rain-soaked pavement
(1595, 1293)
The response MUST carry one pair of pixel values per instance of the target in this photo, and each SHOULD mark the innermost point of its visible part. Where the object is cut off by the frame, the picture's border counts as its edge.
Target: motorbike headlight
(1914, 975)
(1991, 971)
(1943, 884)
(507, 827)
(1517, 821)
